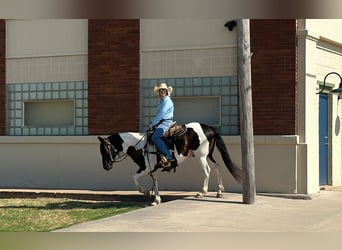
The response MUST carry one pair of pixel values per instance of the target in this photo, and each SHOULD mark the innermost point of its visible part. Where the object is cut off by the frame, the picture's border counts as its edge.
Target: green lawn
(48, 214)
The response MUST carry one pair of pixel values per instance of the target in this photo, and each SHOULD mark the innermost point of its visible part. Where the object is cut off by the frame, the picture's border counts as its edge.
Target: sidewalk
(321, 213)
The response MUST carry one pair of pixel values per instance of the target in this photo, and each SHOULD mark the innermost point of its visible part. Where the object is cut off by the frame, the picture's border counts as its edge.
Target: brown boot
(169, 165)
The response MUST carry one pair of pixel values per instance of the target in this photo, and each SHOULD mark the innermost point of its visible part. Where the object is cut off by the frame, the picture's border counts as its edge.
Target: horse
(193, 139)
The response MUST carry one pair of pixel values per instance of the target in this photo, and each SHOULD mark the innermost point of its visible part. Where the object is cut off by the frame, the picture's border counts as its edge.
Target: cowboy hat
(163, 86)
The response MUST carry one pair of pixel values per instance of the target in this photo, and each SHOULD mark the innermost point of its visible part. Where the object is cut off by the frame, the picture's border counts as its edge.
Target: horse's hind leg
(219, 180)
(206, 171)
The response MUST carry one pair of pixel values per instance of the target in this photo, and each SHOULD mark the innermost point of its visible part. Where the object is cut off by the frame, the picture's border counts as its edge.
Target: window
(49, 113)
(200, 109)
(53, 108)
(209, 100)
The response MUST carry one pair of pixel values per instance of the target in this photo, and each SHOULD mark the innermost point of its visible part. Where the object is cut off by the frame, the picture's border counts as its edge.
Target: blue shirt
(164, 112)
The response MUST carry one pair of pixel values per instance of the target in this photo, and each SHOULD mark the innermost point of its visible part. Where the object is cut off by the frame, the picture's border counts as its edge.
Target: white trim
(189, 48)
(48, 140)
(330, 46)
(47, 55)
(306, 34)
(329, 41)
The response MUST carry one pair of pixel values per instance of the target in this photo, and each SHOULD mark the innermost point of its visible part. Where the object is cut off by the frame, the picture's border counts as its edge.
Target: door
(323, 139)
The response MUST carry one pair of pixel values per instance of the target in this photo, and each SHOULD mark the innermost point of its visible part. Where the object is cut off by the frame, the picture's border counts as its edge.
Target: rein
(120, 158)
(146, 153)
(124, 155)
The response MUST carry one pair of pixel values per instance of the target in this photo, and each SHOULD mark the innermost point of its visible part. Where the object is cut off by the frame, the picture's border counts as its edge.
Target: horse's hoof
(199, 195)
(219, 195)
(155, 203)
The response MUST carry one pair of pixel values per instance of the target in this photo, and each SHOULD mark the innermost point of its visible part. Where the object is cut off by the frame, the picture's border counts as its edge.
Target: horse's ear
(100, 139)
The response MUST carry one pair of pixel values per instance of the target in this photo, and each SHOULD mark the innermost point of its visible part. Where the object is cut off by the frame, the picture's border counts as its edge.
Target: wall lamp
(337, 91)
(230, 25)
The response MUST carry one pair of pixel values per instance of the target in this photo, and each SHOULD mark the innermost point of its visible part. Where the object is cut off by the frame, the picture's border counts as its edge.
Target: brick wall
(113, 76)
(274, 82)
(2, 77)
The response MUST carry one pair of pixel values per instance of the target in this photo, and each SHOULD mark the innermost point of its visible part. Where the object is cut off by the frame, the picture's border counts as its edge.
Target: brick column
(113, 76)
(2, 77)
(274, 76)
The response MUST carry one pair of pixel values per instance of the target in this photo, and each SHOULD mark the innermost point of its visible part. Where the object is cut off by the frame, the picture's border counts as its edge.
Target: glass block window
(58, 108)
(211, 100)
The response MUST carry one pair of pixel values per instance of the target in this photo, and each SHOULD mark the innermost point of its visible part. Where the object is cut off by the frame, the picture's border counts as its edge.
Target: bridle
(114, 154)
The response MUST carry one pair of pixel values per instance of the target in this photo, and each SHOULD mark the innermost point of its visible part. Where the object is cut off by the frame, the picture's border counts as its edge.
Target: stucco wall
(47, 50)
(320, 51)
(75, 163)
(325, 27)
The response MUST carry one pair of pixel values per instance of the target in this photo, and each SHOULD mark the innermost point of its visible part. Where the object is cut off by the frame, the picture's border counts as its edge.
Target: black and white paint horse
(198, 140)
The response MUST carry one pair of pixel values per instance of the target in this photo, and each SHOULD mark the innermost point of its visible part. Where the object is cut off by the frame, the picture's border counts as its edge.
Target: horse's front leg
(148, 193)
(140, 188)
(157, 199)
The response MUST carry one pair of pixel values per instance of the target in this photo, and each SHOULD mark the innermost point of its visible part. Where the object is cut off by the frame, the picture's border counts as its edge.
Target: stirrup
(174, 123)
(163, 161)
(168, 165)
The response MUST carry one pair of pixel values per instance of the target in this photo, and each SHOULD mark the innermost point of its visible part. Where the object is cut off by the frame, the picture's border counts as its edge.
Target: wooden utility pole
(246, 112)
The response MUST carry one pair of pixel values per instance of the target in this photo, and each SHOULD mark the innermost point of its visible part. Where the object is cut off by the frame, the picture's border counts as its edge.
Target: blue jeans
(157, 139)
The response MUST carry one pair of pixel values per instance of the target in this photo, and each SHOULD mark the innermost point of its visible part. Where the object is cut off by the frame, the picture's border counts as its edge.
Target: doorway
(323, 139)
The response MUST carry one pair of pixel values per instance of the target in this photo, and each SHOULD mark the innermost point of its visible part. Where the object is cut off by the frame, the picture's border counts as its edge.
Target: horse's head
(110, 148)
(108, 152)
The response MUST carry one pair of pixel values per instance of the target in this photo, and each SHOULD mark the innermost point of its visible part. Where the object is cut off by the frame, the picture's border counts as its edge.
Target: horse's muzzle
(108, 166)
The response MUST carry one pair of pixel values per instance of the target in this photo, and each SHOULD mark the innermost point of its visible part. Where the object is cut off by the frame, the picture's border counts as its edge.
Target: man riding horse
(193, 139)
(162, 123)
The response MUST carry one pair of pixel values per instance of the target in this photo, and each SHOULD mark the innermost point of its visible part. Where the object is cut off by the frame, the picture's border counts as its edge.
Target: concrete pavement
(321, 213)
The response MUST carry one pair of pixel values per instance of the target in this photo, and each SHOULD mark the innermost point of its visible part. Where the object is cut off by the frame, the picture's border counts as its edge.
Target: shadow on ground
(126, 197)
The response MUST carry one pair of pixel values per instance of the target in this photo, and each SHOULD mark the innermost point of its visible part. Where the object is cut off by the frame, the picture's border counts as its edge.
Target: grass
(48, 214)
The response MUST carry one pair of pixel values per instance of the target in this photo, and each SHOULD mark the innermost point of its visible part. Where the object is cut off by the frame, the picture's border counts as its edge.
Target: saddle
(175, 131)
(179, 137)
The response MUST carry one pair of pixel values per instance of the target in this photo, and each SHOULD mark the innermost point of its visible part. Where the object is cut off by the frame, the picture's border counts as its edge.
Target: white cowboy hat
(163, 86)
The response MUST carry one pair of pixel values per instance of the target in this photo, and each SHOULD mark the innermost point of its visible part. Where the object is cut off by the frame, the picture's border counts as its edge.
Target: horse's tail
(233, 169)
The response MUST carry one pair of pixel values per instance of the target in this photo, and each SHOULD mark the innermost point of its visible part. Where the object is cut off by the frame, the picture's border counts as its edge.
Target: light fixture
(230, 25)
(337, 91)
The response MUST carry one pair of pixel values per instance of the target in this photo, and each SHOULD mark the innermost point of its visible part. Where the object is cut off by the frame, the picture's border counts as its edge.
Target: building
(63, 82)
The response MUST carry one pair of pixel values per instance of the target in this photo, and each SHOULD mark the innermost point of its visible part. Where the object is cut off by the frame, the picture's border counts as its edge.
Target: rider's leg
(157, 139)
